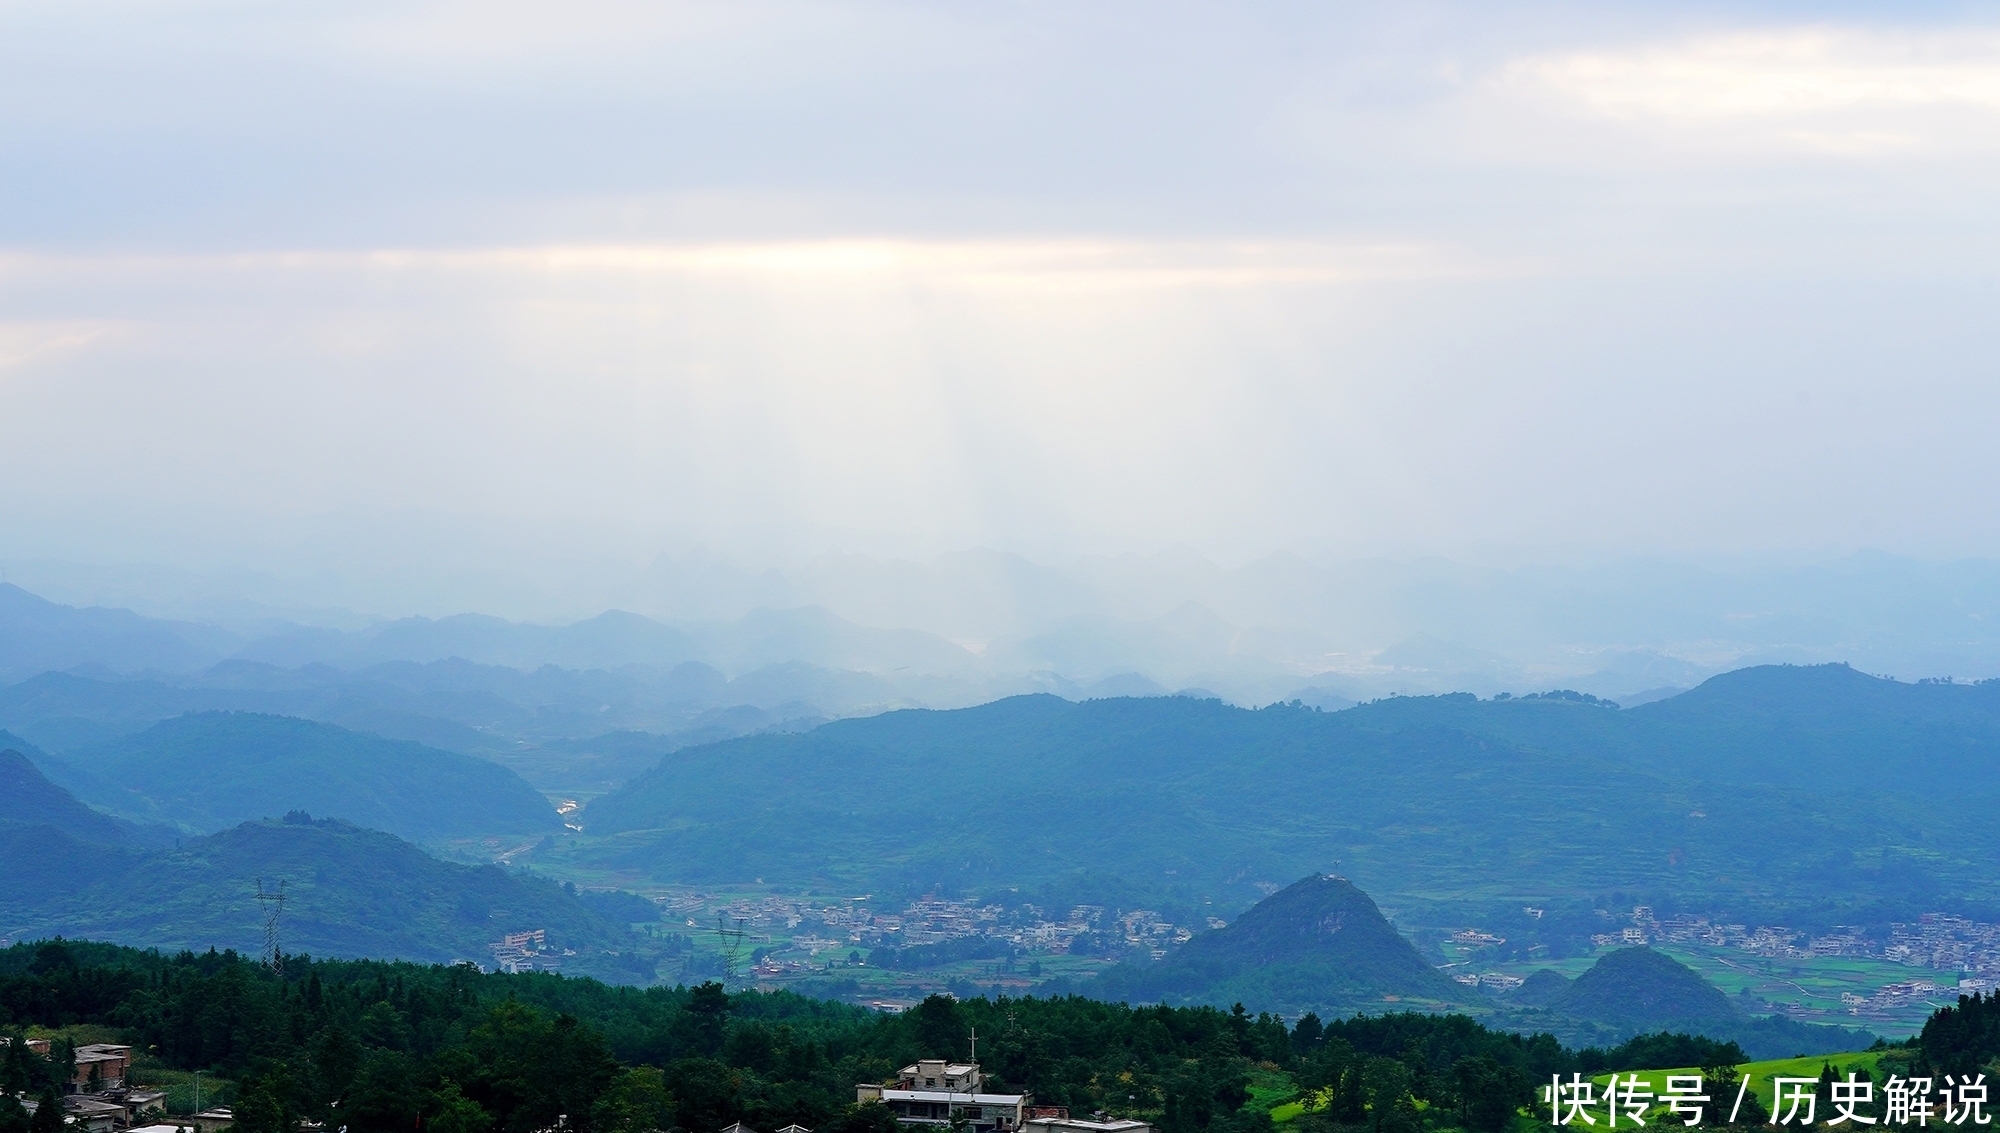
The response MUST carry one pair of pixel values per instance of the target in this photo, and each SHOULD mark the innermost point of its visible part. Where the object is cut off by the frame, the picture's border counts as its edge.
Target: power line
(274, 906)
(732, 943)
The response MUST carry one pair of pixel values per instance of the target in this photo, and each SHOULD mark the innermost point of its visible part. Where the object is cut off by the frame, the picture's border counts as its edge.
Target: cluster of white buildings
(939, 1093)
(857, 923)
(1939, 941)
(527, 952)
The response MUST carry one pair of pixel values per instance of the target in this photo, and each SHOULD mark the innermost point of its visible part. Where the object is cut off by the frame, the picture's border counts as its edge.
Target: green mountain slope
(28, 798)
(1319, 944)
(1541, 989)
(1640, 989)
(1436, 799)
(1760, 725)
(349, 892)
(211, 770)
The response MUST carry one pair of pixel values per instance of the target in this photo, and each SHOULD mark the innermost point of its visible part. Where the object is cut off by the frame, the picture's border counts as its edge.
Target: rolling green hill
(1644, 990)
(207, 771)
(1446, 801)
(1638, 991)
(349, 892)
(1762, 725)
(28, 798)
(1318, 945)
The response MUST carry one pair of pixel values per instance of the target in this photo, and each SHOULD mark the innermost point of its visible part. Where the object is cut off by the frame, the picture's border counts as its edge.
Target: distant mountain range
(970, 627)
(1479, 804)
(39, 636)
(1253, 632)
(537, 697)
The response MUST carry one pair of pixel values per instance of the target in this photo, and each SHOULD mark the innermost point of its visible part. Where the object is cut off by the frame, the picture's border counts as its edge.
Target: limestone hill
(1317, 945)
(1641, 989)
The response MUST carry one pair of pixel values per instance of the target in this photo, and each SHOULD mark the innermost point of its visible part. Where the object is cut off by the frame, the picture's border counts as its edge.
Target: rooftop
(950, 1096)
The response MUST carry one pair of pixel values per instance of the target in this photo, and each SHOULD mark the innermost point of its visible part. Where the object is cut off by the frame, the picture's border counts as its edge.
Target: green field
(1281, 1100)
(1761, 1073)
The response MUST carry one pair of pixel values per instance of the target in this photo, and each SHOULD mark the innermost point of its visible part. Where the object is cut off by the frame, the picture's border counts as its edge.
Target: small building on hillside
(99, 1066)
(937, 1092)
(102, 1066)
(93, 1116)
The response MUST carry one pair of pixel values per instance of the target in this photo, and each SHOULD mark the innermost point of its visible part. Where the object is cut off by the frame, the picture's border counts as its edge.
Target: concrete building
(937, 1092)
(93, 1116)
(102, 1066)
(99, 1066)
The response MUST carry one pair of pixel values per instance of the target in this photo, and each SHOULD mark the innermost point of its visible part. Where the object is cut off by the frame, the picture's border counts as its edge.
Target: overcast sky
(421, 280)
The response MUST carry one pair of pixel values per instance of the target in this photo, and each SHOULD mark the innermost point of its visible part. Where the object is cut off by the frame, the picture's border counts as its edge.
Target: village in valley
(893, 955)
(1889, 979)
(887, 954)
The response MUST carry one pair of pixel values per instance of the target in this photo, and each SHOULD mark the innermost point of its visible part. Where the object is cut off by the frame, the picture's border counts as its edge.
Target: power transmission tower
(274, 905)
(732, 943)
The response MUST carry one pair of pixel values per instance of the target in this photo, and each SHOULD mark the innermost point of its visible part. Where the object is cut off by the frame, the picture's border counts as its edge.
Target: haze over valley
(866, 567)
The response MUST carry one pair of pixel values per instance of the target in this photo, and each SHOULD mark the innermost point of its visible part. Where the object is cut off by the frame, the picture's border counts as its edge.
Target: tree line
(391, 1047)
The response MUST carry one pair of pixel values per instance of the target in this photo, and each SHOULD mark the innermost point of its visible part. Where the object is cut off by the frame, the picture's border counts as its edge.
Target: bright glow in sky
(1400, 278)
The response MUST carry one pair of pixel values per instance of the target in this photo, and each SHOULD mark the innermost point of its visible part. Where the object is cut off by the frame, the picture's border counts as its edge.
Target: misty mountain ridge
(1254, 633)
(29, 798)
(206, 771)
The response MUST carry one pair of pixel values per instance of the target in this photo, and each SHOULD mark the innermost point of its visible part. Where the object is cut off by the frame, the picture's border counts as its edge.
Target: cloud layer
(1400, 278)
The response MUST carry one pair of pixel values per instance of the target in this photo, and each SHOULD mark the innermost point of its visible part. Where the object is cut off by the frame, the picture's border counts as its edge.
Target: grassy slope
(1273, 1092)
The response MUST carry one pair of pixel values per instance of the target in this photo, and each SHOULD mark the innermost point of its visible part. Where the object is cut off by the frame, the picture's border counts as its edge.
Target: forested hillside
(350, 892)
(211, 770)
(392, 1043)
(1319, 944)
(27, 797)
(1441, 799)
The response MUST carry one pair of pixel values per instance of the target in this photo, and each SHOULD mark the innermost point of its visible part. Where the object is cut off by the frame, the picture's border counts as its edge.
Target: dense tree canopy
(397, 1046)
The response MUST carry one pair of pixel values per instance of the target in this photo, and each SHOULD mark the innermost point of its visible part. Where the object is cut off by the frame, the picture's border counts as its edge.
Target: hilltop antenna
(732, 943)
(274, 905)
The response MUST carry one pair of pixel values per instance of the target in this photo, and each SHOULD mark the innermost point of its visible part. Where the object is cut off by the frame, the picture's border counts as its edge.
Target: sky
(417, 288)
